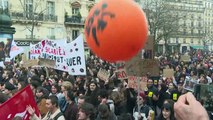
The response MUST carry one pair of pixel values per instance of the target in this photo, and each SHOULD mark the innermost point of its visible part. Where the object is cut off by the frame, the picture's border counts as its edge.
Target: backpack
(58, 115)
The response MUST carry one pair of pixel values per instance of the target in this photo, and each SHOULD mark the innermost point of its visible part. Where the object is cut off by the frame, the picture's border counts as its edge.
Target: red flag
(16, 106)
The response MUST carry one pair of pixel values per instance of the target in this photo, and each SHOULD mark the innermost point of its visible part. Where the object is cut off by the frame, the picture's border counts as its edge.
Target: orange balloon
(116, 30)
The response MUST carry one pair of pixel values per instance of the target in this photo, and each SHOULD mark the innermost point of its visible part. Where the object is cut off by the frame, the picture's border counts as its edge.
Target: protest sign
(35, 50)
(68, 57)
(140, 67)
(30, 63)
(169, 73)
(133, 82)
(185, 58)
(75, 58)
(189, 84)
(15, 50)
(20, 101)
(103, 74)
(46, 63)
(121, 74)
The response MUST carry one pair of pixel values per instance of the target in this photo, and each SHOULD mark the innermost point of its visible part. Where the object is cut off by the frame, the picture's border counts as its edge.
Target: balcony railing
(29, 36)
(28, 16)
(74, 20)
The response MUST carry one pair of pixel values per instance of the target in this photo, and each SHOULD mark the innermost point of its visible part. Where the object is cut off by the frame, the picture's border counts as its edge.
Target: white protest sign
(54, 50)
(75, 58)
(15, 50)
(35, 50)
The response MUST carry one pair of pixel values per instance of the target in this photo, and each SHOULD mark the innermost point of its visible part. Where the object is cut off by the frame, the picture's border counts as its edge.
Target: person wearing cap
(8, 88)
(143, 112)
(167, 111)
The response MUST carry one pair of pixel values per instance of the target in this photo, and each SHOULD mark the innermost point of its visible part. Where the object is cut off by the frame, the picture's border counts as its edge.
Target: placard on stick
(140, 67)
(121, 74)
(39, 62)
(168, 73)
(103, 74)
(185, 58)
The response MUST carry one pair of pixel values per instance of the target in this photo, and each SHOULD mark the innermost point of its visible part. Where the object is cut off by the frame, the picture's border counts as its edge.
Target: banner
(68, 57)
(75, 58)
(36, 49)
(15, 50)
(16, 106)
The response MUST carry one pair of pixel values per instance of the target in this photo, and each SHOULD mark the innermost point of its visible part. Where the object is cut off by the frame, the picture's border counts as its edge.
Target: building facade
(194, 18)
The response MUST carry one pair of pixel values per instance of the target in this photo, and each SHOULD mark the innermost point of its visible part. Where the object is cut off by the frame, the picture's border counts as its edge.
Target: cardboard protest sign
(121, 74)
(46, 63)
(23, 57)
(103, 74)
(189, 84)
(134, 83)
(30, 63)
(20, 101)
(185, 58)
(168, 73)
(140, 67)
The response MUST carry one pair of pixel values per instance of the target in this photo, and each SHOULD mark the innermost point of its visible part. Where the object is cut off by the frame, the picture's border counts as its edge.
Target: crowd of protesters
(61, 96)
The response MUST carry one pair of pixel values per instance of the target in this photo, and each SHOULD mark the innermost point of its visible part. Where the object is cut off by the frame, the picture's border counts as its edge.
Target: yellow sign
(174, 96)
(150, 94)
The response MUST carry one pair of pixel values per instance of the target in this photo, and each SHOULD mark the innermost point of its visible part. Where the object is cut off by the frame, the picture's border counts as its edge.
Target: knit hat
(9, 86)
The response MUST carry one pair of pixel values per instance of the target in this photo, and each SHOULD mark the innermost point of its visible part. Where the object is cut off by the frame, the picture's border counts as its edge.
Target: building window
(50, 8)
(199, 32)
(184, 23)
(192, 24)
(199, 24)
(184, 40)
(51, 33)
(199, 41)
(75, 34)
(192, 41)
(29, 7)
(177, 40)
(184, 31)
(75, 11)
(192, 16)
(3, 4)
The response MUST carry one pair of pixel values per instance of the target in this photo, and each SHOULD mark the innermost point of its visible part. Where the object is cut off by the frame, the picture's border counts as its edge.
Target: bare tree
(33, 14)
(163, 20)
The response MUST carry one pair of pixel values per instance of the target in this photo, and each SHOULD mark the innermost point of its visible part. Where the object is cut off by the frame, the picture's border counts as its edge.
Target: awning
(197, 47)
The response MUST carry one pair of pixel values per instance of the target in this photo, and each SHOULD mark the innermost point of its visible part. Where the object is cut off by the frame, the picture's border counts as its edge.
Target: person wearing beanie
(141, 110)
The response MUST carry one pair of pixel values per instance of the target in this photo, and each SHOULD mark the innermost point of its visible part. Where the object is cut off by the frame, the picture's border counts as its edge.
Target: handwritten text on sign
(121, 74)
